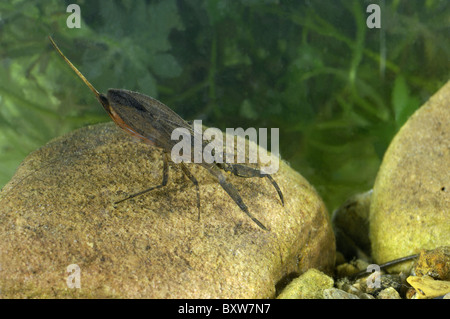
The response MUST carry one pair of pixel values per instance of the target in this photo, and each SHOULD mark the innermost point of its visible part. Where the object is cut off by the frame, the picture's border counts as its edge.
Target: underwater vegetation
(337, 90)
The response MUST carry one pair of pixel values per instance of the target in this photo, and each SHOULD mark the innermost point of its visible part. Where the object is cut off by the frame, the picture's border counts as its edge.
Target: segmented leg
(242, 171)
(234, 194)
(164, 181)
(195, 182)
(247, 172)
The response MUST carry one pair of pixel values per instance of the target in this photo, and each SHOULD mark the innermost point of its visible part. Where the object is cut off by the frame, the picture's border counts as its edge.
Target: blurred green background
(337, 90)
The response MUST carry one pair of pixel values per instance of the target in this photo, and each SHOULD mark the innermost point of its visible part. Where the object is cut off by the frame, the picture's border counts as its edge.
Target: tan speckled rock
(309, 285)
(410, 207)
(58, 210)
(388, 293)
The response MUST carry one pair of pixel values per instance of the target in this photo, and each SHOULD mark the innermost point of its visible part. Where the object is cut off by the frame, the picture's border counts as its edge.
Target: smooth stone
(345, 286)
(309, 285)
(385, 281)
(410, 205)
(334, 293)
(427, 288)
(388, 293)
(58, 211)
(345, 270)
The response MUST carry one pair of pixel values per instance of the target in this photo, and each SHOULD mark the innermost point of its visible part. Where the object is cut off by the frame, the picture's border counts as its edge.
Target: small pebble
(309, 285)
(427, 288)
(346, 270)
(345, 286)
(385, 281)
(334, 293)
(388, 293)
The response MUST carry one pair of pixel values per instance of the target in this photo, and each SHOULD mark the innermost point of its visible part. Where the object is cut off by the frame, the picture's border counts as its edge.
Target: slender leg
(247, 172)
(270, 178)
(234, 194)
(164, 181)
(195, 182)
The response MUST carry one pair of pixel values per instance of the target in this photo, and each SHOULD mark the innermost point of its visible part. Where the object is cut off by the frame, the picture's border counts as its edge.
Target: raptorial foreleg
(233, 193)
(247, 172)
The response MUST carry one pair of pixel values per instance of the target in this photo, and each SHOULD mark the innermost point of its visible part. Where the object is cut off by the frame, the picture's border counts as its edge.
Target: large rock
(58, 210)
(410, 207)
